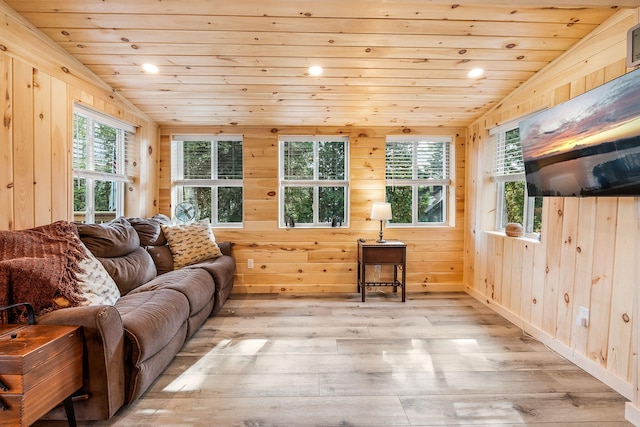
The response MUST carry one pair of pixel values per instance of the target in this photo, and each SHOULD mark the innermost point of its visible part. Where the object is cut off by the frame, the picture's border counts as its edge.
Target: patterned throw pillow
(191, 243)
(95, 283)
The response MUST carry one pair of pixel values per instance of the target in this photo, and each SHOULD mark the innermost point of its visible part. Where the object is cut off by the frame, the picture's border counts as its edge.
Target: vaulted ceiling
(245, 62)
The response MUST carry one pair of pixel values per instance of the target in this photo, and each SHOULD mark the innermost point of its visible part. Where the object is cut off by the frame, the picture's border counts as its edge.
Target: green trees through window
(99, 164)
(313, 181)
(417, 176)
(514, 205)
(208, 173)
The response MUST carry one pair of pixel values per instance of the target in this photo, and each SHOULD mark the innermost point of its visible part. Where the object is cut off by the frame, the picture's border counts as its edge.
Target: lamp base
(380, 239)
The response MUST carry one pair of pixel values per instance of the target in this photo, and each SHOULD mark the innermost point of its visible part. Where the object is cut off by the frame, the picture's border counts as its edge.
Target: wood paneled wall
(589, 250)
(39, 84)
(324, 260)
(589, 247)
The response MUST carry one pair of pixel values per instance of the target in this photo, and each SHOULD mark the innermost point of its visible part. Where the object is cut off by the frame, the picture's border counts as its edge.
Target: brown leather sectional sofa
(129, 344)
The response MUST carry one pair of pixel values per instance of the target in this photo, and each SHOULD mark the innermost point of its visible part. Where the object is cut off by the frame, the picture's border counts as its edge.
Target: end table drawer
(13, 415)
(12, 382)
(23, 384)
(387, 255)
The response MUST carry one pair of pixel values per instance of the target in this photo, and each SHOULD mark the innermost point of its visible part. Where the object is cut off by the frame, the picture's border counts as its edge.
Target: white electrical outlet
(582, 319)
(250, 263)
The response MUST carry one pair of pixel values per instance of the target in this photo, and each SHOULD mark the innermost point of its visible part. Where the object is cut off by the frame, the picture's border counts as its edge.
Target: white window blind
(205, 159)
(314, 158)
(103, 147)
(509, 164)
(421, 160)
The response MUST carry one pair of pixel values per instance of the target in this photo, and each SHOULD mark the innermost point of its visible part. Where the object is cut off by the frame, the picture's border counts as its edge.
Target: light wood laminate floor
(331, 360)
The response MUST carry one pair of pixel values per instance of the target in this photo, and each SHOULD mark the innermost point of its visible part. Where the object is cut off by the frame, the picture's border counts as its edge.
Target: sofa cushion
(195, 284)
(149, 231)
(162, 257)
(132, 270)
(151, 320)
(113, 239)
(221, 269)
(191, 243)
(153, 240)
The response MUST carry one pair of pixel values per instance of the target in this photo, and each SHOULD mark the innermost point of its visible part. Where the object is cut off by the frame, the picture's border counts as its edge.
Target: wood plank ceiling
(386, 63)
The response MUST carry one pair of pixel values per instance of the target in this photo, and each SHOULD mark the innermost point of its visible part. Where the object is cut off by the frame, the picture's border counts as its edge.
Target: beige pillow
(190, 243)
(95, 283)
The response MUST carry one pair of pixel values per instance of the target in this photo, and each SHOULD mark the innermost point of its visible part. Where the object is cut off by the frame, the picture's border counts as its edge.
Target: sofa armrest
(103, 366)
(225, 247)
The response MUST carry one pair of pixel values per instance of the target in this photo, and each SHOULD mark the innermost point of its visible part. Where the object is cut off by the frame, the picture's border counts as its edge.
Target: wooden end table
(391, 252)
(40, 367)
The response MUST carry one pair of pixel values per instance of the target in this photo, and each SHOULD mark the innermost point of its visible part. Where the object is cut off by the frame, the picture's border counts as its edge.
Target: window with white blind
(207, 172)
(102, 147)
(314, 181)
(514, 205)
(418, 178)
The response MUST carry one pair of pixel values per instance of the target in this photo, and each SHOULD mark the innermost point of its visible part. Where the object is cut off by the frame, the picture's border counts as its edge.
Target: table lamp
(382, 212)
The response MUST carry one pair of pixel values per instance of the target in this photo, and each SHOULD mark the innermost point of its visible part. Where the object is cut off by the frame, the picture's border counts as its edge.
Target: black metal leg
(71, 413)
(395, 278)
(363, 285)
(404, 282)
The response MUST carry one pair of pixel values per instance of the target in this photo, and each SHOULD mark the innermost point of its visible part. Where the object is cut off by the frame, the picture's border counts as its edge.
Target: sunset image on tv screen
(587, 146)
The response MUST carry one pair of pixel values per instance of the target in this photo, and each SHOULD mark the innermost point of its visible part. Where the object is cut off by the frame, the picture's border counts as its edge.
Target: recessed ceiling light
(476, 72)
(315, 70)
(150, 68)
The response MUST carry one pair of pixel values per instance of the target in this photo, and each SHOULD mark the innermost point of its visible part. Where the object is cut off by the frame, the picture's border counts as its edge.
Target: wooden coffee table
(40, 367)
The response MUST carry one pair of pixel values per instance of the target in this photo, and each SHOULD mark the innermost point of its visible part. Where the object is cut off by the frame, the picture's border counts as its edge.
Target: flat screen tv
(587, 146)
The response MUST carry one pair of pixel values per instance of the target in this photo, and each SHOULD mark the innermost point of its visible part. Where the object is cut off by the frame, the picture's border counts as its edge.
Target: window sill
(425, 225)
(525, 238)
(227, 225)
(313, 227)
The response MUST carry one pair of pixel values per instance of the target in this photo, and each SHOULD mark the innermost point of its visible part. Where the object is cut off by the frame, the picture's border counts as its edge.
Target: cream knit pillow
(190, 243)
(95, 283)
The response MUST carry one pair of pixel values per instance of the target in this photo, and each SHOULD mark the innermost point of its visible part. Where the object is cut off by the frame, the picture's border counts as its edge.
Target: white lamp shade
(381, 211)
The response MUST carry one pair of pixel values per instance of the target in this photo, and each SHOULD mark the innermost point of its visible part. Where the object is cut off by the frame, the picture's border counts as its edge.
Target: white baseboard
(632, 414)
(588, 365)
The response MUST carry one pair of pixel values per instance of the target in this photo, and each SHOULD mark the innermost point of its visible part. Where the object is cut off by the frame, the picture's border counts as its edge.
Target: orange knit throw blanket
(39, 266)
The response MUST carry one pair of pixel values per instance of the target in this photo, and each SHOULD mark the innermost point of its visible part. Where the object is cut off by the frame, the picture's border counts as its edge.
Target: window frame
(314, 183)
(497, 137)
(125, 134)
(415, 183)
(178, 182)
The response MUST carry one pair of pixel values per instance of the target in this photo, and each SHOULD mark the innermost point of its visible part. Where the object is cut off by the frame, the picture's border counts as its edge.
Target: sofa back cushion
(130, 271)
(152, 239)
(112, 239)
(117, 246)
(161, 256)
(149, 230)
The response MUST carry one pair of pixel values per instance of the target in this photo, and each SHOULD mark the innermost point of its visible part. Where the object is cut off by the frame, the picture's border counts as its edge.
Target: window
(101, 149)
(314, 181)
(418, 179)
(514, 205)
(207, 173)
